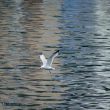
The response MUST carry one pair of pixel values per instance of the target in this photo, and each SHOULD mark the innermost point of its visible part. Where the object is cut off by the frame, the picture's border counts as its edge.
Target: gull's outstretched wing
(51, 58)
(43, 59)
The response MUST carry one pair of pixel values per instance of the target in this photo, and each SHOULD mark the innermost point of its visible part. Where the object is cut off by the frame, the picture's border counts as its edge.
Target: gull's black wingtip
(57, 51)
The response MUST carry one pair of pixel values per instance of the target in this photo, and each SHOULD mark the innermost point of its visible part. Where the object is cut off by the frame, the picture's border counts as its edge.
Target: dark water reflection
(80, 29)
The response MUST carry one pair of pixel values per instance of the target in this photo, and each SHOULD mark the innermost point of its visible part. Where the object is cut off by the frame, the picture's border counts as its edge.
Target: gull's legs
(49, 71)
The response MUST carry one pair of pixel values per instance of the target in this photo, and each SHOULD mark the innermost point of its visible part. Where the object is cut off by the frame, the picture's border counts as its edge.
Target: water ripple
(80, 30)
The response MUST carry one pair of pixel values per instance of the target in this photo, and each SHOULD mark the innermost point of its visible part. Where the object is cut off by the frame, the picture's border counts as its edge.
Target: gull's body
(47, 63)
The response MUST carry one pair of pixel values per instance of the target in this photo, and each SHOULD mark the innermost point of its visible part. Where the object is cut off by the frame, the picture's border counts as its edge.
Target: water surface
(80, 30)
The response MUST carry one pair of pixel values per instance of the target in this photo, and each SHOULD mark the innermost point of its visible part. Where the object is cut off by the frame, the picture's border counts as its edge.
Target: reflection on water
(80, 29)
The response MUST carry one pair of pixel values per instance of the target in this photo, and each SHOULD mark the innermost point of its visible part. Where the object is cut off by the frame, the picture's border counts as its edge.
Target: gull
(47, 63)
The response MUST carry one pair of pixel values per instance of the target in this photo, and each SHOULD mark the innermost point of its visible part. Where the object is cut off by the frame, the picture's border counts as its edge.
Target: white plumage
(47, 63)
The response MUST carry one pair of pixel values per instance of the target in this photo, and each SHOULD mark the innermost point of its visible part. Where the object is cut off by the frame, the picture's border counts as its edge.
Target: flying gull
(47, 63)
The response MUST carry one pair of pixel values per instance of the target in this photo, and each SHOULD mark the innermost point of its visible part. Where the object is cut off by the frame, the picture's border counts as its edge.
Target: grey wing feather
(51, 58)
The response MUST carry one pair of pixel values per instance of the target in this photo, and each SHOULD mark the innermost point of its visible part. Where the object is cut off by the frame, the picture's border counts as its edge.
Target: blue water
(80, 30)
